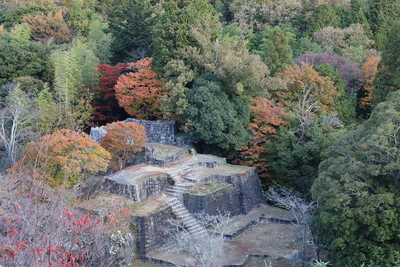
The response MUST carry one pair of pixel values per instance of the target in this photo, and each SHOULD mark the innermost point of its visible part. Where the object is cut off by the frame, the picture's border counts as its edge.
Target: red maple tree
(267, 118)
(106, 108)
(139, 90)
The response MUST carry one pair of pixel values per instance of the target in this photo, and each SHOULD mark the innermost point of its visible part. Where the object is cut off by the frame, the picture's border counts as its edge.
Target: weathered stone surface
(163, 132)
(151, 230)
(245, 193)
(138, 190)
(219, 202)
(96, 133)
(160, 131)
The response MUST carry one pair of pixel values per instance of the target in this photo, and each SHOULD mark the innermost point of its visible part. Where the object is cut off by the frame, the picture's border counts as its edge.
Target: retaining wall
(160, 131)
(137, 192)
(245, 193)
(151, 231)
(163, 132)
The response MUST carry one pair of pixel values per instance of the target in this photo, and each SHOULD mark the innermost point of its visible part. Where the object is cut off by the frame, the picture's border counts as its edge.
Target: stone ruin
(168, 166)
(159, 131)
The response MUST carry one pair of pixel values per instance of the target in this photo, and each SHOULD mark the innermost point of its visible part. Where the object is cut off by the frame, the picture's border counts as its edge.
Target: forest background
(306, 91)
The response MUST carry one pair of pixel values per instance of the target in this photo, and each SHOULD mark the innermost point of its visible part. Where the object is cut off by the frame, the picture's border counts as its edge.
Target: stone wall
(137, 192)
(246, 193)
(215, 203)
(151, 230)
(162, 132)
(168, 160)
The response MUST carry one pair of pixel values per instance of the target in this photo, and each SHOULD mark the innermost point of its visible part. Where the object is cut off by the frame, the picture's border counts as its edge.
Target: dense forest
(306, 91)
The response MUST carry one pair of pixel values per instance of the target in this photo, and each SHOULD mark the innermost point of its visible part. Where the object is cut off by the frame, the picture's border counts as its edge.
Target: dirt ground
(277, 241)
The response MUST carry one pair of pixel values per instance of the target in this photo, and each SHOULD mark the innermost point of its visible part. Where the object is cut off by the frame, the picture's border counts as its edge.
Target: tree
(79, 15)
(346, 102)
(130, 25)
(122, 140)
(351, 42)
(48, 26)
(294, 164)
(356, 190)
(242, 73)
(258, 14)
(300, 209)
(21, 59)
(267, 117)
(205, 250)
(63, 158)
(307, 94)
(214, 120)
(383, 15)
(275, 50)
(323, 16)
(366, 94)
(16, 114)
(105, 104)
(41, 226)
(348, 70)
(139, 90)
(171, 31)
(388, 77)
(72, 95)
(100, 41)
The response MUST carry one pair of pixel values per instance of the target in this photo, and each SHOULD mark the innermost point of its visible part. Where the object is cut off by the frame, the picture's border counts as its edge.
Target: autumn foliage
(369, 70)
(63, 158)
(267, 118)
(39, 227)
(105, 104)
(122, 140)
(139, 90)
(43, 27)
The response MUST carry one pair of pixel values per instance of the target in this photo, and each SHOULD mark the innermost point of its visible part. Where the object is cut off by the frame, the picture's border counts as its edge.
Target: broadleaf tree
(123, 140)
(139, 90)
(63, 158)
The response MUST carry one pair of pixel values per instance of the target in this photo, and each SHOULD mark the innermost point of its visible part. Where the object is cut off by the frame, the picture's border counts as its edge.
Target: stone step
(185, 186)
(175, 190)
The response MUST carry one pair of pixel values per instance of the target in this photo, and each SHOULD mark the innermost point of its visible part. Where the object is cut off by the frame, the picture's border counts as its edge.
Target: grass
(209, 187)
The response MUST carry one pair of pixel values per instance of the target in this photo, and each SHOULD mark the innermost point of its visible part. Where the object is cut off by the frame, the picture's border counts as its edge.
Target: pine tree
(324, 15)
(275, 49)
(388, 77)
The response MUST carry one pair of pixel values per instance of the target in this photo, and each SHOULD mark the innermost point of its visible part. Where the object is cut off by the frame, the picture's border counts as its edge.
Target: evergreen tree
(388, 77)
(275, 50)
(323, 16)
(216, 122)
(357, 192)
(383, 13)
(172, 29)
(130, 25)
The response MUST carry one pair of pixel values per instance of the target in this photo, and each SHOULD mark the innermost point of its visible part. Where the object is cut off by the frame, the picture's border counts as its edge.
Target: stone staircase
(176, 202)
(188, 220)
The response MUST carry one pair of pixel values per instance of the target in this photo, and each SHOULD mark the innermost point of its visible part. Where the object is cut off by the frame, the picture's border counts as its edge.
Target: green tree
(275, 50)
(346, 102)
(130, 25)
(171, 31)
(383, 13)
(71, 91)
(214, 120)
(323, 16)
(357, 192)
(19, 58)
(388, 77)
(296, 165)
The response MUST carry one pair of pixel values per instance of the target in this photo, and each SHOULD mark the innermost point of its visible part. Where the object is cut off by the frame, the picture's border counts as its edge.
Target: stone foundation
(141, 190)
